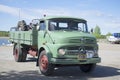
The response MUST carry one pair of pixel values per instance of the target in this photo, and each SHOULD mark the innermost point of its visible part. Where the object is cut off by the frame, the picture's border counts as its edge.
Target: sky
(102, 13)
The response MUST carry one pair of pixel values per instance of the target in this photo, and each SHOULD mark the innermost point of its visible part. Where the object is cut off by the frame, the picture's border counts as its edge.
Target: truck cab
(60, 41)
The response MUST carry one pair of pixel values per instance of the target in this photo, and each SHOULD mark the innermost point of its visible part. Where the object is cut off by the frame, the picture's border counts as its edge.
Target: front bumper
(75, 61)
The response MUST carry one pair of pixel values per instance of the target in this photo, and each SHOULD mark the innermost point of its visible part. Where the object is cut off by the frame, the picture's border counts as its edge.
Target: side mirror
(91, 30)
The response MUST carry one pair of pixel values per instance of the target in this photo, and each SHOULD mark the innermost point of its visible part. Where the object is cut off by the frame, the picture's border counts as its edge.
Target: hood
(72, 37)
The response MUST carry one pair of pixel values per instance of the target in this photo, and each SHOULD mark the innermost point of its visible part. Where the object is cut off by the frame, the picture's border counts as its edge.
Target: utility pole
(19, 14)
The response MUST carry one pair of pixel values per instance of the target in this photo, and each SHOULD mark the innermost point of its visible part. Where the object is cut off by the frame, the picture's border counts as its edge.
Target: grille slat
(82, 40)
(75, 50)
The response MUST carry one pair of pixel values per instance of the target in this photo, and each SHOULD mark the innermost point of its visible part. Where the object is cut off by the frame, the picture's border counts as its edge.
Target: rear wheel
(45, 67)
(87, 67)
(19, 53)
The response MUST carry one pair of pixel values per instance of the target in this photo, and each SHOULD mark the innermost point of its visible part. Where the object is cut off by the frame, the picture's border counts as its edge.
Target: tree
(4, 34)
(97, 33)
(108, 34)
(97, 30)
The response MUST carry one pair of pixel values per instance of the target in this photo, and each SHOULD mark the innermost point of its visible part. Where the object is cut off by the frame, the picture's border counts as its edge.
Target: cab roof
(54, 17)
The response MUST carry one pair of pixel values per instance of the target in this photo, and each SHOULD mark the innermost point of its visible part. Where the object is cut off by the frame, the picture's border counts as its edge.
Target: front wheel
(87, 67)
(45, 67)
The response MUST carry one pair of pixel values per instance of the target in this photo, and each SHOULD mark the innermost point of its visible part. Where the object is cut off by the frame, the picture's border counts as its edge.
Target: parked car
(115, 38)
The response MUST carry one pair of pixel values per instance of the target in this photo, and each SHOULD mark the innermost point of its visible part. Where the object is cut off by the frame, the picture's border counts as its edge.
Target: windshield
(68, 24)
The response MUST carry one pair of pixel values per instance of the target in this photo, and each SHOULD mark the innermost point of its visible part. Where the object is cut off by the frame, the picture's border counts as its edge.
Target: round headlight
(61, 51)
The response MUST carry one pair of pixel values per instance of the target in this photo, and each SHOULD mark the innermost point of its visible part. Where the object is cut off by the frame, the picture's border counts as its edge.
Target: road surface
(108, 69)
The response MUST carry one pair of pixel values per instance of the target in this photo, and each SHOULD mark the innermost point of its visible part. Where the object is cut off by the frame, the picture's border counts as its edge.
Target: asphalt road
(108, 69)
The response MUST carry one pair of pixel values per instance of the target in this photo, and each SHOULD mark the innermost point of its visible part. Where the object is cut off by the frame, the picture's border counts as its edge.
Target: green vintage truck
(55, 41)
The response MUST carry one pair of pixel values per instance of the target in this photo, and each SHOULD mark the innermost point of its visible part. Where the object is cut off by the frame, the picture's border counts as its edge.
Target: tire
(19, 54)
(45, 67)
(87, 67)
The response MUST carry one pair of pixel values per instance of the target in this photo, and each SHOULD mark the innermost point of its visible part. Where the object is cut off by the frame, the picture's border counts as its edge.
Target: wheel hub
(44, 63)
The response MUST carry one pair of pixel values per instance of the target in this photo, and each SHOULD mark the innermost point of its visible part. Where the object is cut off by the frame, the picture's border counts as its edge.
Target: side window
(52, 26)
(81, 27)
(42, 25)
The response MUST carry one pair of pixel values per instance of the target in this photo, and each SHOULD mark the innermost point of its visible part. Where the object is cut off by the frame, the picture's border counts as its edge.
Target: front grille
(89, 41)
(74, 41)
(75, 50)
(72, 52)
(82, 40)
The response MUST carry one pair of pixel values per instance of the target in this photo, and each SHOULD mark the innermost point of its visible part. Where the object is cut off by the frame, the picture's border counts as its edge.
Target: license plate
(82, 56)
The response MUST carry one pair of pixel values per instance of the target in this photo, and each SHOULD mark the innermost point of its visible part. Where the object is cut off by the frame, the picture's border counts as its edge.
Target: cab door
(41, 33)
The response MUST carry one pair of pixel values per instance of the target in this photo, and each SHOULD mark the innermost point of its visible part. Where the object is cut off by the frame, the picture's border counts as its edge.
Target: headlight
(61, 51)
(90, 54)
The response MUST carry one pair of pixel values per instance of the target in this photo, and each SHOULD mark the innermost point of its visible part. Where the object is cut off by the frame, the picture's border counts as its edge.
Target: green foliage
(4, 34)
(97, 33)
(97, 30)
(99, 36)
(108, 34)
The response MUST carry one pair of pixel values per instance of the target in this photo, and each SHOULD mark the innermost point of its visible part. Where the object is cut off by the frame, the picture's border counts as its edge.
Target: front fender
(48, 52)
